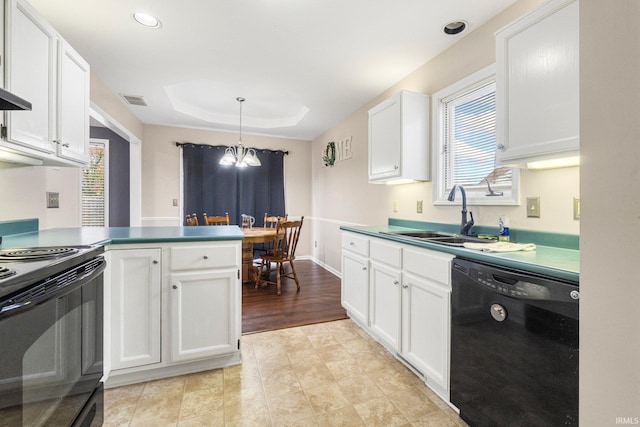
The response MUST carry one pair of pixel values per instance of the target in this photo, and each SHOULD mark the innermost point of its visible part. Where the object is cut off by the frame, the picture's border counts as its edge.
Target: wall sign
(340, 150)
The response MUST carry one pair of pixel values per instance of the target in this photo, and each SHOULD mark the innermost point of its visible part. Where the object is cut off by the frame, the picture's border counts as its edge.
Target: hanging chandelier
(240, 156)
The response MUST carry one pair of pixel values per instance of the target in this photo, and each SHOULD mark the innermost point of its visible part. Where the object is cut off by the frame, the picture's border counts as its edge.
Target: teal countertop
(81, 236)
(554, 261)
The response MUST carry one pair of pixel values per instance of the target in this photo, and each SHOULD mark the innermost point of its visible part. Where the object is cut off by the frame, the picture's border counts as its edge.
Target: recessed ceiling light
(147, 20)
(455, 27)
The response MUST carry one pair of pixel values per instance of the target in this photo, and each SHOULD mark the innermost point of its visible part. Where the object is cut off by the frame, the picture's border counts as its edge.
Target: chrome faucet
(465, 226)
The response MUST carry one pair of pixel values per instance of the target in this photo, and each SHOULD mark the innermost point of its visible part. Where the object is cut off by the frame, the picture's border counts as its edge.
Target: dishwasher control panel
(515, 288)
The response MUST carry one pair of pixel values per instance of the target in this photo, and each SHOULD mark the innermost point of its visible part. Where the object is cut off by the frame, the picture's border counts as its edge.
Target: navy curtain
(215, 189)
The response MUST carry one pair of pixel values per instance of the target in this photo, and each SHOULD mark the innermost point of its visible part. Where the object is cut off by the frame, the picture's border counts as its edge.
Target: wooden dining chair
(269, 222)
(272, 221)
(216, 220)
(284, 249)
(192, 219)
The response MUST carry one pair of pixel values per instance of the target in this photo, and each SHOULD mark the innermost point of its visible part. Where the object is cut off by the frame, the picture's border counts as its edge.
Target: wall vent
(134, 100)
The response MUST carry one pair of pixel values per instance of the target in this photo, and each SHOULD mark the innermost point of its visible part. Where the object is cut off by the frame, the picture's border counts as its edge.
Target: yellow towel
(501, 246)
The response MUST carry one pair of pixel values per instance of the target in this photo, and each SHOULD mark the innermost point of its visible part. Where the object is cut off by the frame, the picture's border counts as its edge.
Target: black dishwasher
(514, 347)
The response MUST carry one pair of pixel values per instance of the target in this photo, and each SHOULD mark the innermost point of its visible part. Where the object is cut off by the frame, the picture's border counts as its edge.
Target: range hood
(9, 101)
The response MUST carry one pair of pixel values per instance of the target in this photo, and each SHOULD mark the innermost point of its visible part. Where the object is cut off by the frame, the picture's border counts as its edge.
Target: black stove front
(51, 322)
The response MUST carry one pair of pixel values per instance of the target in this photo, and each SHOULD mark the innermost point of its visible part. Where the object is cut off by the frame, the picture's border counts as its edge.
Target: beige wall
(610, 224)
(161, 172)
(342, 195)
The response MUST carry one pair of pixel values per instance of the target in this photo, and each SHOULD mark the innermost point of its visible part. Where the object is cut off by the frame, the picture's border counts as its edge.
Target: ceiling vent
(134, 100)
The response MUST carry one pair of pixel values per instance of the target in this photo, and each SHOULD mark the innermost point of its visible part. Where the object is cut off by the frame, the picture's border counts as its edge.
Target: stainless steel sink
(440, 237)
(421, 234)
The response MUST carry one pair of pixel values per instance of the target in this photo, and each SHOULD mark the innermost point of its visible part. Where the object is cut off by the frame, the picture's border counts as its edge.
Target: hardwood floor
(318, 301)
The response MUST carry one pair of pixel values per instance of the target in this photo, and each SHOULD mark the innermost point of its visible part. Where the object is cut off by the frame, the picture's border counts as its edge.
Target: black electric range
(22, 267)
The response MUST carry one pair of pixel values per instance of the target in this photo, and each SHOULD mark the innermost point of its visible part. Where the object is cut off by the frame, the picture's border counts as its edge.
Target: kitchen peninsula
(172, 295)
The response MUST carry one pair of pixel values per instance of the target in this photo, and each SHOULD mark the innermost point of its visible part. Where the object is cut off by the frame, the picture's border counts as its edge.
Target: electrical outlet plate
(419, 206)
(576, 208)
(53, 200)
(533, 207)
(395, 206)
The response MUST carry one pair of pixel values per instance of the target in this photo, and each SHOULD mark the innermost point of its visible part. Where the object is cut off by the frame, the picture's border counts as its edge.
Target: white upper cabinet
(399, 139)
(43, 69)
(73, 104)
(31, 74)
(537, 92)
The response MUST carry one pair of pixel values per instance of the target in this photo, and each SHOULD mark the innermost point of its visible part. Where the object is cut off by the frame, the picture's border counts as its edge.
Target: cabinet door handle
(155, 261)
(395, 282)
(351, 244)
(175, 286)
(205, 257)
(66, 145)
(56, 141)
(364, 268)
(501, 147)
(405, 286)
(396, 167)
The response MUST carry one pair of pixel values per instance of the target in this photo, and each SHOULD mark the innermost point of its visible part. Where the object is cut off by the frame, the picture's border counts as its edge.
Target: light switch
(175, 202)
(533, 207)
(576, 208)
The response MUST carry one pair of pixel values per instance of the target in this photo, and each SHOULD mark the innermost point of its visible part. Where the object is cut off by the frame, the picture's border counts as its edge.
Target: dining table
(253, 235)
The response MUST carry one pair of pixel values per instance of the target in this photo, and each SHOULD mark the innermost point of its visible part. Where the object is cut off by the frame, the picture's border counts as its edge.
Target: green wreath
(329, 157)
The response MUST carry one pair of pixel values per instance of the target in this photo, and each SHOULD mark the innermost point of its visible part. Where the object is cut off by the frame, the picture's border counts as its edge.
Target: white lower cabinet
(202, 314)
(355, 277)
(385, 290)
(408, 308)
(171, 310)
(135, 290)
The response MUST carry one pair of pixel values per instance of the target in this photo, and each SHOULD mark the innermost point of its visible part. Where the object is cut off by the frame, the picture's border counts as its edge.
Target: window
(465, 143)
(94, 186)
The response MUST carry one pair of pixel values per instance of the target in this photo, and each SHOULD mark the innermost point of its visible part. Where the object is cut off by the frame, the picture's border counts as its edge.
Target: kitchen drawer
(355, 243)
(204, 257)
(384, 252)
(426, 263)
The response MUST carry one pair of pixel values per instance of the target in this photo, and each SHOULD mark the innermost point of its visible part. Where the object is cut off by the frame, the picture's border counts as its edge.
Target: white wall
(610, 224)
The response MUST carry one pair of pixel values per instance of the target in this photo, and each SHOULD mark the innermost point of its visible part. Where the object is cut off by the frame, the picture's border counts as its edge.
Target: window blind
(93, 188)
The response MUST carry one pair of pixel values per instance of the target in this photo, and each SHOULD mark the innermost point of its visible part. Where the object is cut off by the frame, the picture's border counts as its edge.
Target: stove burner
(5, 272)
(36, 254)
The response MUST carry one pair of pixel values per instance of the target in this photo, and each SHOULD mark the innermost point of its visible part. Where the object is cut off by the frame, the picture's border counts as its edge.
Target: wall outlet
(533, 207)
(315, 243)
(53, 200)
(419, 206)
(395, 206)
(576, 208)
(175, 202)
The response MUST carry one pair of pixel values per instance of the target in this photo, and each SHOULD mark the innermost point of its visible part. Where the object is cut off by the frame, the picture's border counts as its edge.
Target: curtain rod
(180, 144)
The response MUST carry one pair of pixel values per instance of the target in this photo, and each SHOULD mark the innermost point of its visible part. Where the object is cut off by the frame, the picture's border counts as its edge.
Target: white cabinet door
(31, 74)
(537, 85)
(384, 139)
(73, 105)
(355, 286)
(135, 307)
(399, 139)
(384, 305)
(425, 328)
(203, 314)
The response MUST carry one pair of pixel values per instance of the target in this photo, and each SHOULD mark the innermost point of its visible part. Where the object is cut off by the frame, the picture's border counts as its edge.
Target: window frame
(474, 196)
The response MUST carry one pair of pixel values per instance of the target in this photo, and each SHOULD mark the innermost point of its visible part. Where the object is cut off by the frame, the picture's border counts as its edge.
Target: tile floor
(328, 374)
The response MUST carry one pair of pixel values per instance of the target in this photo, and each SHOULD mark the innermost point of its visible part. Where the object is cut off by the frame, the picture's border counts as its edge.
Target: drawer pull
(351, 244)
(205, 257)
(155, 261)
(364, 268)
(175, 286)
